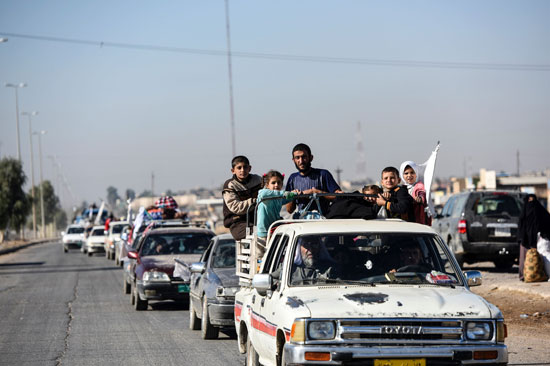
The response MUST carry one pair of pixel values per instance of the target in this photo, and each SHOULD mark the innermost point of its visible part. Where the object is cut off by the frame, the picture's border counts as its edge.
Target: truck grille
(401, 331)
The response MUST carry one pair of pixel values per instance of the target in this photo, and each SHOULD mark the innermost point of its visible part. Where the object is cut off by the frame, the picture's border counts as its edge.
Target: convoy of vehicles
(330, 292)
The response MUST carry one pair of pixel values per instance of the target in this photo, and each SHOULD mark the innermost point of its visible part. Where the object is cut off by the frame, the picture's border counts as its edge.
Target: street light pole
(34, 113)
(15, 87)
(42, 229)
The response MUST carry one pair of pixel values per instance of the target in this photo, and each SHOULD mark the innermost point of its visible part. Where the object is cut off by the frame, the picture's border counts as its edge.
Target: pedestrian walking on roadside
(533, 219)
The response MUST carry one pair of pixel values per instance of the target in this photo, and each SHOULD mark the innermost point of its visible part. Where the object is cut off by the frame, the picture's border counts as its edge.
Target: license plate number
(401, 362)
(502, 231)
(183, 288)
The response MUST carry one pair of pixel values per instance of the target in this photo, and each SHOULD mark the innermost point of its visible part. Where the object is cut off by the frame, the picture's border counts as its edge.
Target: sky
(474, 75)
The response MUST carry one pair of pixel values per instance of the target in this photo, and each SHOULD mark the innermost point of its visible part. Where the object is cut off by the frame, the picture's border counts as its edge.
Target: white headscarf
(414, 166)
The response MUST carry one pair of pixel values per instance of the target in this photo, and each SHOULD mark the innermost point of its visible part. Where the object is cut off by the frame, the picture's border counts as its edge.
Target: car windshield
(75, 230)
(117, 229)
(224, 255)
(178, 243)
(498, 205)
(98, 232)
(368, 258)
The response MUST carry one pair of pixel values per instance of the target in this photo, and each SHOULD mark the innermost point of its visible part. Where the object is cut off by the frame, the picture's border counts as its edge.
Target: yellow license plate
(401, 362)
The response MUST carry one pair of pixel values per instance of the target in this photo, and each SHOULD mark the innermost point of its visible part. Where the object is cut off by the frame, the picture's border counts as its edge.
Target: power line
(287, 57)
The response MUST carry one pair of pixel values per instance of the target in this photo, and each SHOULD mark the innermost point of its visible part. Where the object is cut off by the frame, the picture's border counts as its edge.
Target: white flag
(429, 167)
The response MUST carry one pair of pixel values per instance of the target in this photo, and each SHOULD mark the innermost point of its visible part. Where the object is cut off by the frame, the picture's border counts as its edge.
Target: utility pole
(517, 163)
(229, 69)
(153, 186)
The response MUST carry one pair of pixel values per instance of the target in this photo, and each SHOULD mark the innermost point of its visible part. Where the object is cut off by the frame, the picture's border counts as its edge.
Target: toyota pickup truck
(361, 292)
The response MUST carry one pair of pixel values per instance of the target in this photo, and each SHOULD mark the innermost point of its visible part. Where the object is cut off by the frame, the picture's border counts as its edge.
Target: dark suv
(153, 276)
(482, 226)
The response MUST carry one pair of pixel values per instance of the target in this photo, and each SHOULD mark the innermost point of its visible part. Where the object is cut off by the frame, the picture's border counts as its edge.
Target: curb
(532, 289)
(16, 248)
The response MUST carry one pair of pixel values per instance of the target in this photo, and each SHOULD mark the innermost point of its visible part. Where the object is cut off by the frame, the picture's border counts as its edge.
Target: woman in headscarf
(533, 219)
(409, 175)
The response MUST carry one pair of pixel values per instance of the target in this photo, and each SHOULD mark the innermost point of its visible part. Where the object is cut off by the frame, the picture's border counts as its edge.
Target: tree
(130, 194)
(51, 202)
(146, 193)
(112, 196)
(14, 205)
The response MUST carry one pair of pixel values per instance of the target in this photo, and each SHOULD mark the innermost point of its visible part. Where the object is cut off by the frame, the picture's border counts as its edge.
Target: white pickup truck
(362, 292)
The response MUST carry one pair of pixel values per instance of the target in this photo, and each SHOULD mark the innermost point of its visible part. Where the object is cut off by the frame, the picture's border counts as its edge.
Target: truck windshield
(371, 258)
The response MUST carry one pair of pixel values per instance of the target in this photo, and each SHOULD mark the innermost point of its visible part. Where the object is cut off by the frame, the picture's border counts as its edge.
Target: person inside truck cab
(411, 259)
(312, 261)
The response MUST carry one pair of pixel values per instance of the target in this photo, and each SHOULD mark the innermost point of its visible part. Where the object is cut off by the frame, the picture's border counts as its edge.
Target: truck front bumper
(295, 354)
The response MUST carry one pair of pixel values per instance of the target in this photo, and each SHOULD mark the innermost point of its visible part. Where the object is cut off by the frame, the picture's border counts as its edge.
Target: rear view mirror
(198, 267)
(473, 278)
(105, 232)
(262, 282)
(62, 233)
(133, 255)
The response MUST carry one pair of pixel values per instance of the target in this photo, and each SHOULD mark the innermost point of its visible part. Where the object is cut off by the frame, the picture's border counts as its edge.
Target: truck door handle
(253, 299)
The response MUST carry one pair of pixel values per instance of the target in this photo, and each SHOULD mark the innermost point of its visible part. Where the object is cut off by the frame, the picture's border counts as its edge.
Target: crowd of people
(401, 195)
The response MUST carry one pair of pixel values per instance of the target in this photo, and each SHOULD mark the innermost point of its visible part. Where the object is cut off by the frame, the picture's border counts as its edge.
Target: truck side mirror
(473, 278)
(197, 267)
(262, 282)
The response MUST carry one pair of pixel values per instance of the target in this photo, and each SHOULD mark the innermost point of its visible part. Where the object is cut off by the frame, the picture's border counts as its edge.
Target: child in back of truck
(269, 211)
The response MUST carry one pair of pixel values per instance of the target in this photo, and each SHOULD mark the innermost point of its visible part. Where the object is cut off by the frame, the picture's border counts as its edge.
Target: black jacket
(401, 204)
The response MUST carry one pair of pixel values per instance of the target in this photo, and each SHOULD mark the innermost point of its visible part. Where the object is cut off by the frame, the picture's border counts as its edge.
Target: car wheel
(89, 254)
(65, 250)
(208, 330)
(117, 262)
(127, 287)
(139, 304)
(252, 358)
(194, 321)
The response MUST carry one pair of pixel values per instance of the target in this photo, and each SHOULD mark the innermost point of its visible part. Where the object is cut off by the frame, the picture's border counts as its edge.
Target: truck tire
(207, 329)
(252, 358)
(194, 321)
(139, 304)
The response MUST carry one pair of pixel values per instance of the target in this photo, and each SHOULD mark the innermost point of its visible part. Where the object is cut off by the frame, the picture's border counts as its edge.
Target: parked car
(95, 243)
(482, 226)
(213, 287)
(73, 237)
(113, 236)
(153, 277)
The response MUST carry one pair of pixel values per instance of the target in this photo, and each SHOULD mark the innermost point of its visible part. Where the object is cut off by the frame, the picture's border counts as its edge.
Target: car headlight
(478, 331)
(321, 330)
(154, 276)
(226, 291)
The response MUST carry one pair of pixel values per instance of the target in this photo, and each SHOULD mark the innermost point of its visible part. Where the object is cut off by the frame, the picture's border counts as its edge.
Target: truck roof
(356, 225)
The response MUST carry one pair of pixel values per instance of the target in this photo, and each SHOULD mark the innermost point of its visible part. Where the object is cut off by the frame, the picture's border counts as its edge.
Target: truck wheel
(127, 287)
(252, 358)
(207, 329)
(194, 321)
(139, 304)
(132, 296)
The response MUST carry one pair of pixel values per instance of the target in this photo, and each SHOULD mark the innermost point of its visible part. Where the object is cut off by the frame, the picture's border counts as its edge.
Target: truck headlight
(321, 330)
(154, 276)
(478, 331)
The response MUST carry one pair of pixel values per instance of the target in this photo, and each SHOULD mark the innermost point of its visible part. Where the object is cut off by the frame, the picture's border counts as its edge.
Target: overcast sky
(473, 74)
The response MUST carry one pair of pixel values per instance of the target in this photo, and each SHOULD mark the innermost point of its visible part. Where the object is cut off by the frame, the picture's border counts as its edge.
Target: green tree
(14, 205)
(51, 202)
(145, 193)
(130, 194)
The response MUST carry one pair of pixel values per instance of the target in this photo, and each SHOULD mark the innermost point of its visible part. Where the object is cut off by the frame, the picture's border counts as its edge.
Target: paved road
(69, 309)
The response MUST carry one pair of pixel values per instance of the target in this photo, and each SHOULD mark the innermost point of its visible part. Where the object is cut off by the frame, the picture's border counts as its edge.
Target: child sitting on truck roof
(269, 211)
(239, 194)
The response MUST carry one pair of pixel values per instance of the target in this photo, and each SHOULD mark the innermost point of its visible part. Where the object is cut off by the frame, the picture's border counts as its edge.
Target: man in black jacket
(397, 201)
